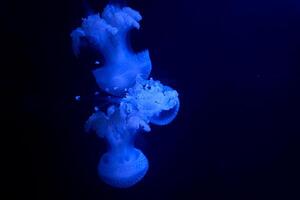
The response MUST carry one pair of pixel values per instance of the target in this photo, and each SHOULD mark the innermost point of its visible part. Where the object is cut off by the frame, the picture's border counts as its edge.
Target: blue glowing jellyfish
(141, 100)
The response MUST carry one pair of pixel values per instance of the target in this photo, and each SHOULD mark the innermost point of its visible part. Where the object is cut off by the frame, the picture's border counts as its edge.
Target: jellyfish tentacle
(133, 13)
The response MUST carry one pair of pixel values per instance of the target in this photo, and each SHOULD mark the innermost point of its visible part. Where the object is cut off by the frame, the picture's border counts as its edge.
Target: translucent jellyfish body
(108, 34)
(122, 165)
(140, 101)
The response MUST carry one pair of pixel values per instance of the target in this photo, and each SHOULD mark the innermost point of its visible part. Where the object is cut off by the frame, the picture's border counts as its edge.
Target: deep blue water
(234, 63)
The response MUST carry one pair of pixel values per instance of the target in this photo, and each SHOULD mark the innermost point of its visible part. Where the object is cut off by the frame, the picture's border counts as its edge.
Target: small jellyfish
(77, 98)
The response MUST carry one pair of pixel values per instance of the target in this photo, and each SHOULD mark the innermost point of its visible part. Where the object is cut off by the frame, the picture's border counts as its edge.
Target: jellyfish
(108, 33)
(139, 100)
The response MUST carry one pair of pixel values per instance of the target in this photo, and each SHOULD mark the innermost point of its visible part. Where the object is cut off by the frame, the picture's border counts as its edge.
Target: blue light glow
(140, 101)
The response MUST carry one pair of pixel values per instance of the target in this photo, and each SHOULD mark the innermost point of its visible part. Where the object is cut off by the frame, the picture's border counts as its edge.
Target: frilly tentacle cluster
(147, 102)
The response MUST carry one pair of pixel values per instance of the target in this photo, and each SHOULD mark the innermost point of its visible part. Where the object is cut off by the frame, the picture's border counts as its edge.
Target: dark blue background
(234, 63)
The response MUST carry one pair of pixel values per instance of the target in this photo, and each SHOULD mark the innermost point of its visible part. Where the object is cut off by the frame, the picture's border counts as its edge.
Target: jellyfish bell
(165, 116)
(169, 106)
(121, 73)
(155, 102)
(123, 170)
